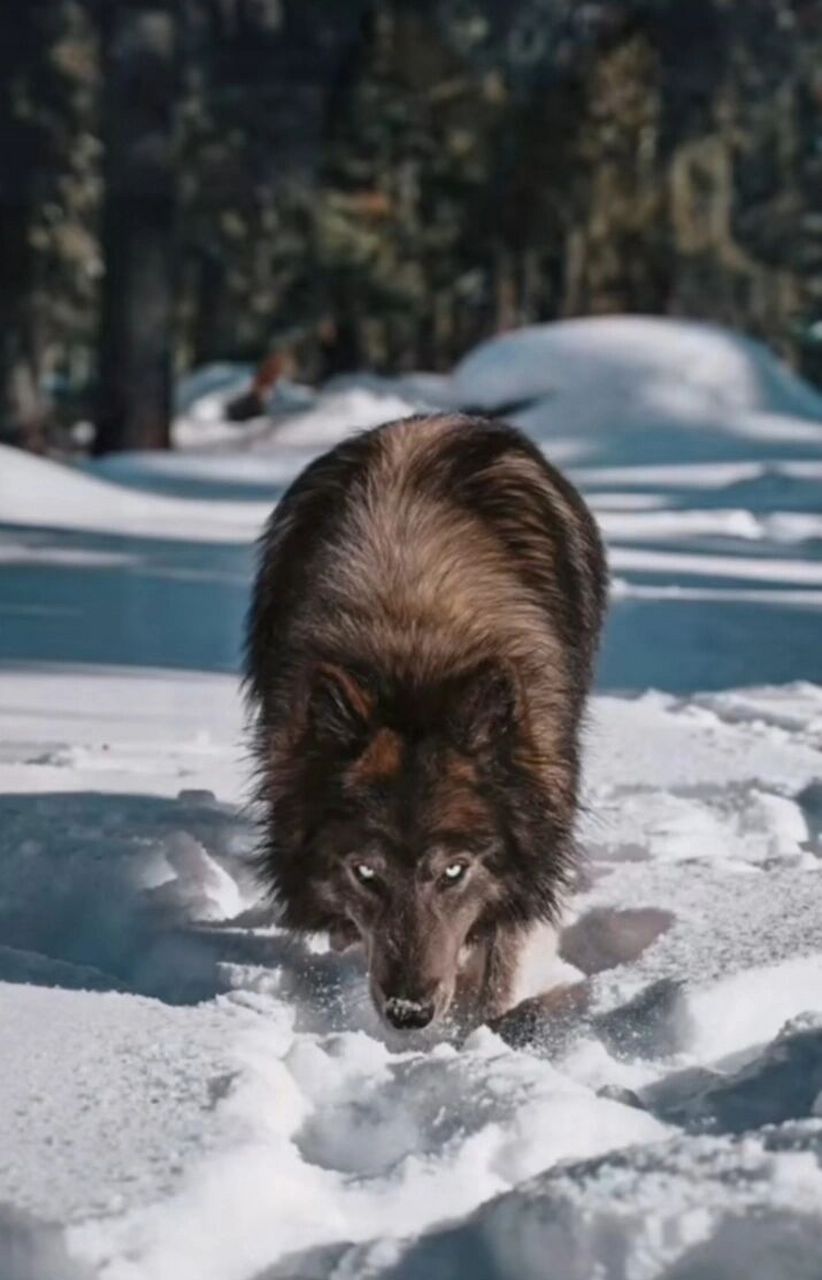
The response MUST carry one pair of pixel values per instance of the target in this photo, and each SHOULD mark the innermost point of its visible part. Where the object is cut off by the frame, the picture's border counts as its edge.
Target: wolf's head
(415, 823)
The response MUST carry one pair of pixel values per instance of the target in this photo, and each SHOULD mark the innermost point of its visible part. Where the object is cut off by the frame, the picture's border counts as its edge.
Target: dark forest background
(382, 183)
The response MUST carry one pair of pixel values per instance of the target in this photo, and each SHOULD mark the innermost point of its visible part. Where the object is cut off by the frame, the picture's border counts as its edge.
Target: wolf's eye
(454, 872)
(364, 873)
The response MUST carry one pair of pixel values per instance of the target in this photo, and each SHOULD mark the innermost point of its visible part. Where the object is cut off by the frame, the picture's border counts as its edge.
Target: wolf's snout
(408, 1015)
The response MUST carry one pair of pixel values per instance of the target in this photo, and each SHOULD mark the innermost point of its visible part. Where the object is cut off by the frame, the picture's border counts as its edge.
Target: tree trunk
(22, 408)
(24, 158)
(138, 234)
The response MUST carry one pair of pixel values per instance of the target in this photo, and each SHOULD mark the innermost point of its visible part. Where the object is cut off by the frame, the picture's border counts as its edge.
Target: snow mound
(685, 1211)
(673, 364)
(37, 492)
(296, 416)
(641, 389)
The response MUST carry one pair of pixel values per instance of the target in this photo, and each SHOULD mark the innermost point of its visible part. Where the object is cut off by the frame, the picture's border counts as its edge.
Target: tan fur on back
(441, 581)
(431, 580)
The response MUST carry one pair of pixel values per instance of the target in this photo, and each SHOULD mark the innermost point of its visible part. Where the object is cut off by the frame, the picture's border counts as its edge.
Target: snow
(40, 493)
(347, 405)
(760, 569)
(271, 1117)
(643, 391)
(186, 1093)
(155, 1060)
(671, 363)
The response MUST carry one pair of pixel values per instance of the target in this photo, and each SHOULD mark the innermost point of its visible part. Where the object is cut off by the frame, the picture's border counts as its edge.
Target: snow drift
(256, 1120)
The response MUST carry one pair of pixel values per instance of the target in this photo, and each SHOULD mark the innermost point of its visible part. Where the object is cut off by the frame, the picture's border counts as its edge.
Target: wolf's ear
(339, 706)
(485, 708)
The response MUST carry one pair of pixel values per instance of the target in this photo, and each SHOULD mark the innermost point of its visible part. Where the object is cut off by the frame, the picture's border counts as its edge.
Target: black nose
(408, 1015)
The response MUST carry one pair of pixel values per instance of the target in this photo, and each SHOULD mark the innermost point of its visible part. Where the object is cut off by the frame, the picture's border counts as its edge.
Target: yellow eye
(454, 872)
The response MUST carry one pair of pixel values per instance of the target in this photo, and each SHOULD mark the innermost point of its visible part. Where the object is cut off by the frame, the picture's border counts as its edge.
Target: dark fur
(420, 645)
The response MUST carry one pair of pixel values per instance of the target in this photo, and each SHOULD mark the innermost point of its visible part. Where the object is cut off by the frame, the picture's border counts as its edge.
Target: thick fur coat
(421, 642)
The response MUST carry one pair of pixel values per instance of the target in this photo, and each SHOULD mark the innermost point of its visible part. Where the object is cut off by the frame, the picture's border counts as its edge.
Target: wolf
(420, 644)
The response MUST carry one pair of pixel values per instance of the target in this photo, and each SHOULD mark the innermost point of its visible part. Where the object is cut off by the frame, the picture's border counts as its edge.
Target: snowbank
(683, 366)
(641, 389)
(43, 494)
(687, 1211)
(297, 415)
(275, 1130)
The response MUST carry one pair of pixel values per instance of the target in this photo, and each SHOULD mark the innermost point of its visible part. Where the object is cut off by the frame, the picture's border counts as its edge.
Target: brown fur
(421, 641)
(381, 760)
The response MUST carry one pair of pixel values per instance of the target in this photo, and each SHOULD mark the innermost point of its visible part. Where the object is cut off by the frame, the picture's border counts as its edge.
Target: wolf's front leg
(546, 1020)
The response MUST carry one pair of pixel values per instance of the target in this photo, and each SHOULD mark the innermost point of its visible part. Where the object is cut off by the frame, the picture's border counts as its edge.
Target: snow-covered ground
(187, 1093)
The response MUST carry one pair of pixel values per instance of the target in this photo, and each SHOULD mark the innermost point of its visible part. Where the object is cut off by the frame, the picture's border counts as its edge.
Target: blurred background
(312, 187)
(233, 231)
